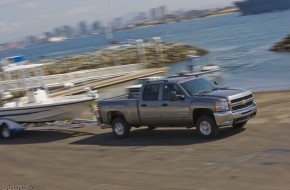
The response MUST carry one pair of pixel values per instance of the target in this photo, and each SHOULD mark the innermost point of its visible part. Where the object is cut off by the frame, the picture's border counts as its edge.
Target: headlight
(221, 106)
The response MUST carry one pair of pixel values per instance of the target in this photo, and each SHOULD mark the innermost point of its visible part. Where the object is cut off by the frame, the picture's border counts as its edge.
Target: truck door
(149, 104)
(174, 112)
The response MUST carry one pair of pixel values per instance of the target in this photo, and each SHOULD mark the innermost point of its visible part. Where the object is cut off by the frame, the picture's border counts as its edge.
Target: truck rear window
(151, 92)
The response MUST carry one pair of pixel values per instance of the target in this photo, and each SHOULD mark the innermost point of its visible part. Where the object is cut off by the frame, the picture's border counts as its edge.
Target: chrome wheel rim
(205, 128)
(5, 132)
(119, 129)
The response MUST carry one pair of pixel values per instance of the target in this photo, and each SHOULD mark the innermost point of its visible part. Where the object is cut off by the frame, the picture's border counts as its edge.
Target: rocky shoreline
(283, 46)
(150, 54)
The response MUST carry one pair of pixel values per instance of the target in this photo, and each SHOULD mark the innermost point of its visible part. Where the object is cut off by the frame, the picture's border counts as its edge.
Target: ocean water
(238, 44)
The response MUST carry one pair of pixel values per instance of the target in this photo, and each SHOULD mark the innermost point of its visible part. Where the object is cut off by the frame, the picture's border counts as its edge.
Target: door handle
(164, 105)
(143, 105)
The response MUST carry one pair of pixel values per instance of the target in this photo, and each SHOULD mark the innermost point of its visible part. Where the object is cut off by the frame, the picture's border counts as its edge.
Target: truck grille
(242, 102)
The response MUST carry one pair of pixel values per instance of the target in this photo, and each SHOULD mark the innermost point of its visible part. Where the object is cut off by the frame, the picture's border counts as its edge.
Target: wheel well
(199, 112)
(115, 114)
(3, 124)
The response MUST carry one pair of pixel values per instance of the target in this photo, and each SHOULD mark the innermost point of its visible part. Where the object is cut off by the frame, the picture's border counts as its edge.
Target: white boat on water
(37, 105)
(13, 61)
(211, 72)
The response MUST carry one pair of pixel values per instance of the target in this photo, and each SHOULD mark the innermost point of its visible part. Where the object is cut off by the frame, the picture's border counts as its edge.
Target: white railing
(73, 77)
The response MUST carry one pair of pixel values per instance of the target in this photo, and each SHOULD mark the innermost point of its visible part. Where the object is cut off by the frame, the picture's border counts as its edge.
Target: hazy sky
(19, 18)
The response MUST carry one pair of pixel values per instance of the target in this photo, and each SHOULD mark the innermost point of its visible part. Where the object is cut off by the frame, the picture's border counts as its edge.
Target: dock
(93, 78)
(110, 81)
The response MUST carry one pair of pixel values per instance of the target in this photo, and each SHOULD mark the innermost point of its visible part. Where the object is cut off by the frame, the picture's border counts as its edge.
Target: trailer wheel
(206, 127)
(120, 128)
(5, 131)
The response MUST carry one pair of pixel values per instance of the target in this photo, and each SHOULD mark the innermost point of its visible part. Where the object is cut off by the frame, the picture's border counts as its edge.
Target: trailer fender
(12, 125)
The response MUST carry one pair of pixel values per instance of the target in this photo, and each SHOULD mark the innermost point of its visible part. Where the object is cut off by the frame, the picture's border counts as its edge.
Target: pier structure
(93, 78)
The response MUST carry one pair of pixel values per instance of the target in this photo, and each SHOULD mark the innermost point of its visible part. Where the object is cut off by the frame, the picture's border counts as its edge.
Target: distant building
(141, 16)
(96, 26)
(68, 31)
(158, 13)
(47, 35)
(109, 32)
(83, 29)
(154, 14)
(179, 12)
(193, 14)
(170, 17)
(31, 40)
(163, 11)
(58, 31)
(117, 24)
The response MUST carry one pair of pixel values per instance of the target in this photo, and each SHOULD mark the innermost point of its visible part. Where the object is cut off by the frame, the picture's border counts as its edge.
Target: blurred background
(238, 36)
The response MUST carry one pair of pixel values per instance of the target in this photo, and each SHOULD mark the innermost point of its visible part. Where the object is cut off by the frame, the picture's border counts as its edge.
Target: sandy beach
(256, 157)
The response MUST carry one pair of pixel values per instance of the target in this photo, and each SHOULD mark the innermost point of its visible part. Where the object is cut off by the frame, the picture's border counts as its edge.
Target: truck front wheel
(206, 127)
(120, 128)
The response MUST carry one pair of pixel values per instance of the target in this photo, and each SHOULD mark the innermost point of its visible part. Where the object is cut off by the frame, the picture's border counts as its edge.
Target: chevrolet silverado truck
(180, 102)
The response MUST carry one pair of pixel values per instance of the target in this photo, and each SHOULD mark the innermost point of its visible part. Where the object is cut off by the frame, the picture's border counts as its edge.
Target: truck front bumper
(230, 118)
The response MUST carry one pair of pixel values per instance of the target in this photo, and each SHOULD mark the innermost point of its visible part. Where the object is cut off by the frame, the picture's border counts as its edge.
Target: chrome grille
(242, 102)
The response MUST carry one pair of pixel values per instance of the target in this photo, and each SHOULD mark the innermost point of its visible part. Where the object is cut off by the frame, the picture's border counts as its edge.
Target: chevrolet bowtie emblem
(244, 102)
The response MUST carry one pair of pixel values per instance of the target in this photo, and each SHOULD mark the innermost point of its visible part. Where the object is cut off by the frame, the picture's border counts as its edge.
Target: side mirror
(174, 96)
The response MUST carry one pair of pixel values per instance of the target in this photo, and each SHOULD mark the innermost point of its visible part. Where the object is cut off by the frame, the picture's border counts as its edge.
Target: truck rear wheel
(206, 127)
(120, 128)
(240, 125)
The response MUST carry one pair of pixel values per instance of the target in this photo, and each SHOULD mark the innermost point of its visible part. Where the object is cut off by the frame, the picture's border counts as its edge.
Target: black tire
(120, 128)
(151, 127)
(6, 132)
(240, 125)
(206, 127)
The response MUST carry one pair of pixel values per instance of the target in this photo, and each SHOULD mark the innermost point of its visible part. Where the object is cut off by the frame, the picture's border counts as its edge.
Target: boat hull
(49, 112)
(262, 6)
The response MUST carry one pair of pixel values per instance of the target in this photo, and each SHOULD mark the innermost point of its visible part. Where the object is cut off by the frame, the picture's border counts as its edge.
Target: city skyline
(20, 18)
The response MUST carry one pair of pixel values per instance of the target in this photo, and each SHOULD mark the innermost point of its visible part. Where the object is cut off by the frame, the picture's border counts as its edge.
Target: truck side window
(151, 92)
(167, 89)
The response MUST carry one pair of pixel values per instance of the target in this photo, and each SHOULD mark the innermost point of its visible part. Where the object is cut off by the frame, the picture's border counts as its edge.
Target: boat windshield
(146, 79)
(143, 80)
(198, 86)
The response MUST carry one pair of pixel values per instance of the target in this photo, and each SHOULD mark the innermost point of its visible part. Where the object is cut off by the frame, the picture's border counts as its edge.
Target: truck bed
(128, 108)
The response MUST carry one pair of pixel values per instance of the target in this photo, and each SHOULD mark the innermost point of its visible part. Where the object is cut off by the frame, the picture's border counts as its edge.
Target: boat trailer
(9, 128)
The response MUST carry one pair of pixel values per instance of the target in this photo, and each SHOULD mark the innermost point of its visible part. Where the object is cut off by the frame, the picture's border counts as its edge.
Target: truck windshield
(198, 86)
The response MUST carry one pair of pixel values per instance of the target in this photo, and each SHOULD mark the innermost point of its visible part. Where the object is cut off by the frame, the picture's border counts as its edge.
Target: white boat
(211, 72)
(37, 105)
(50, 110)
(57, 39)
(13, 61)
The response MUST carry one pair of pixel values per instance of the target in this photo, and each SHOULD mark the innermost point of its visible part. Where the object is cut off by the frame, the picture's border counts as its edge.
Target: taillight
(97, 109)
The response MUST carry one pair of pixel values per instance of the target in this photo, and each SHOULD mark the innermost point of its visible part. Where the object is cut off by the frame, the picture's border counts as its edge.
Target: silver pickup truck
(180, 102)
